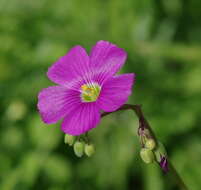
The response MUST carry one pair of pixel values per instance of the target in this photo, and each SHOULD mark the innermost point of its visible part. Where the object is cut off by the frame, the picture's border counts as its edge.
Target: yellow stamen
(84, 87)
(90, 92)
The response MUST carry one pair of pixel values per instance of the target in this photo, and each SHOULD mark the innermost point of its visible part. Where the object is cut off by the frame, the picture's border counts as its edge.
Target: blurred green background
(163, 41)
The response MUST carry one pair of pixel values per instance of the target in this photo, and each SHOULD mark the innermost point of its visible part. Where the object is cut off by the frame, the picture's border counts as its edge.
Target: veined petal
(115, 92)
(55, 102)
(82, 119)
(107, 58)
(70, 68)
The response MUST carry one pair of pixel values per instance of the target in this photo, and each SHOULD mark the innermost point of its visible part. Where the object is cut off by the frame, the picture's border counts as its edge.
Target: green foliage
(163, 42)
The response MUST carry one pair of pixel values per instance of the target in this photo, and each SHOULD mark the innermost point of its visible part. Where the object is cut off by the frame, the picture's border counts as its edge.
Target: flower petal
(55, 102)
(107, 58)
(70, 67)
(115, 92)
(82, 119)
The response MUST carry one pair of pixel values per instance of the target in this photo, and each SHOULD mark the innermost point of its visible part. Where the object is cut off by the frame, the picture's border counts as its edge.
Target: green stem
(138, 111)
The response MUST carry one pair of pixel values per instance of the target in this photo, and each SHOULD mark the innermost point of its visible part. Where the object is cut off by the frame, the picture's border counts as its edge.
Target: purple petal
(70, 67)
(107, 58)
(55, 102)
(81, 120)
(115, 92)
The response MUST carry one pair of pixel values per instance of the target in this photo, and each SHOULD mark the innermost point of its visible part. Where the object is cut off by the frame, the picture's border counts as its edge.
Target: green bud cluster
(147, 152)
(80, 146)
(152, 151)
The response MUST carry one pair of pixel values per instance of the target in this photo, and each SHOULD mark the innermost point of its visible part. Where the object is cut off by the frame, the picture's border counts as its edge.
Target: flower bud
(69, 139)
(79, 148)
(164, 164)
(89, 149)
(147, 155)
(150, 144)
(160, 151)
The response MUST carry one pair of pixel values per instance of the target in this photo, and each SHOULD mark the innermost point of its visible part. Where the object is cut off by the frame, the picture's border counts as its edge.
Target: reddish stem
(143, 123)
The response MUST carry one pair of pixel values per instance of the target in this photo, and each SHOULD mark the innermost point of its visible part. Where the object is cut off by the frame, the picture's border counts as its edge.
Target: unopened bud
(89, 149)
(79, 148)
(164, 164)
(160, 151)
(150, 144)
(147, 155)
(69, 139)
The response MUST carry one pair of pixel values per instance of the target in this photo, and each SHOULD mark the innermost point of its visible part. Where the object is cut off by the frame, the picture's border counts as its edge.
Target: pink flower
(86, 85)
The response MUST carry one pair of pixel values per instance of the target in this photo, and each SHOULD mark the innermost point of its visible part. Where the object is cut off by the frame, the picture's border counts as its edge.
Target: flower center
(90, 92)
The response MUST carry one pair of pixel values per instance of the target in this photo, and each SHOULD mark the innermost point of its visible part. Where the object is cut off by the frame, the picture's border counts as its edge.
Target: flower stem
(177, 177)
(138, 111)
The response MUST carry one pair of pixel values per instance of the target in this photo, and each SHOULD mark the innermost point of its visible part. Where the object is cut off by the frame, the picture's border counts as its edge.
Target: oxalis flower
(86, 86)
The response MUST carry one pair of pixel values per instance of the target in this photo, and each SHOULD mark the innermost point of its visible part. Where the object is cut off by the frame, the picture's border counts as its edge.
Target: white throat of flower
(90, 92)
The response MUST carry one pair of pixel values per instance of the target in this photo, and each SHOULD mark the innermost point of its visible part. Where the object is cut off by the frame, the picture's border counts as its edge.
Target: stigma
(90, 92)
